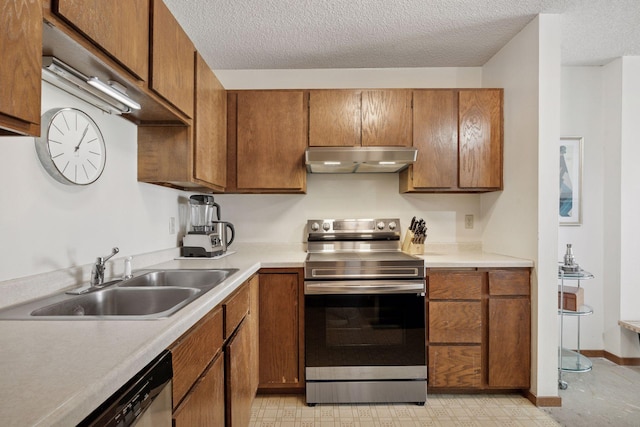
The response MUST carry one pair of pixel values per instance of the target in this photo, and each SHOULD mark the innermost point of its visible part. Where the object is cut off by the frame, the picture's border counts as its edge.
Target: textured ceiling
(273, 34)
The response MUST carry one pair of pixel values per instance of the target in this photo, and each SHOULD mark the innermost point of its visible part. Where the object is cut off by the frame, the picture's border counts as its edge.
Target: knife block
(409, 247)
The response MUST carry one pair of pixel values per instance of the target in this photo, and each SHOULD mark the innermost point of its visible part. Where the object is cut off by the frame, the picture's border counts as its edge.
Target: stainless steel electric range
(364, 314)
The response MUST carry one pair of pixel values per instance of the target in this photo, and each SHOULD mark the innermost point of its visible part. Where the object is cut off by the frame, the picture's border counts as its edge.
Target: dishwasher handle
(356, 287)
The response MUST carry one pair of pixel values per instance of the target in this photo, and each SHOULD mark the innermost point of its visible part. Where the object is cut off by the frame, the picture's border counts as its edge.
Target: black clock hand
(82, 138)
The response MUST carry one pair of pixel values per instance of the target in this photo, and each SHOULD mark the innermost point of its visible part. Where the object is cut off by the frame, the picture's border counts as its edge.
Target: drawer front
(455, 366)
(193, 352)
(455, 322)
(455, 285)
(235, 308)
(509, 282)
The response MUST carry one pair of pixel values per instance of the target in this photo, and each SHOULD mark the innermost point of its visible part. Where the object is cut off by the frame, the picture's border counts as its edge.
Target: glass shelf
(573, 361)
(584, 310)
(574, 275)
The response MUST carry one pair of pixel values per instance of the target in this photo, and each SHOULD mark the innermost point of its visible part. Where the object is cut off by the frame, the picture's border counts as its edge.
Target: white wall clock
(71, 147)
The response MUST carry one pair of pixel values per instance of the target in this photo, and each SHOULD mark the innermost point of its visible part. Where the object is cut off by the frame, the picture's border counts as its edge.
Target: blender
(202, 240)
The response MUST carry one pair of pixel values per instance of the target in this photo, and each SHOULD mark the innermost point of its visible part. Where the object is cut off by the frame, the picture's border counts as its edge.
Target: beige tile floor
(440, 410)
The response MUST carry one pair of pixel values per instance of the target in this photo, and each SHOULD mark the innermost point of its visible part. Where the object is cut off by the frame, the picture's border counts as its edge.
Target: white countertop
(54, 373)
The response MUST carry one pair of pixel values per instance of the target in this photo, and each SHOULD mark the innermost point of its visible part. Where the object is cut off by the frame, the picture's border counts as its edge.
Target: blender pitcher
(202, 206)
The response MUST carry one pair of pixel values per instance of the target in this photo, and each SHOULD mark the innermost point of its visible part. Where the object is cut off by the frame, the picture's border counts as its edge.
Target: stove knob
(392, 225)
(315, 226)
(380, 225)
(326, 226)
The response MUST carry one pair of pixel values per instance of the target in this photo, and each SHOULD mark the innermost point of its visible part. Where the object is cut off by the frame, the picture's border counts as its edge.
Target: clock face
(72, 149)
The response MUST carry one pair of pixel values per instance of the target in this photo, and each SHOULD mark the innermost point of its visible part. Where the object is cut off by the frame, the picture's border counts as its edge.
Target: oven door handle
(337, 287)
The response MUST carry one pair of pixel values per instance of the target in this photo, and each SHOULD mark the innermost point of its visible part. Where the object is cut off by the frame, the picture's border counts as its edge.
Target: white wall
(621, 205)
(345, 78)
(48, 226)
(281, 218)
(522, 220)
(630, 204)
(582, 115)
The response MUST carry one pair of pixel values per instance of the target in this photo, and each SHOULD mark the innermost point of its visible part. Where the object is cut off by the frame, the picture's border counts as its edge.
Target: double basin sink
(151, 294)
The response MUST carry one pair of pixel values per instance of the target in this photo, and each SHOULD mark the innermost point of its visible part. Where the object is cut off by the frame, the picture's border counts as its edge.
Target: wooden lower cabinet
(281, 330)
(479, 329)
(204, 406)
(214, 364)
(238, 377)
(509, 323)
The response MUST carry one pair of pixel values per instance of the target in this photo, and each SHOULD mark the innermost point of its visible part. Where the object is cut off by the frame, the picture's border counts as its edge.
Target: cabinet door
(238, 381)
(204, 406)
(280, 344)
(210, 122)
(386, 118)
(480, 138)
(271, 141)
(120, 27)
(435, 135)
(21, 74)
(509, 342)
(334, 118)
(172, 60)
(254, 329)
(455, 322)
(455, 366)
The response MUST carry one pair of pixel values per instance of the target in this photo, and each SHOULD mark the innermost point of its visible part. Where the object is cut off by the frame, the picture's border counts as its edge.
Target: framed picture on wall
(570, 212)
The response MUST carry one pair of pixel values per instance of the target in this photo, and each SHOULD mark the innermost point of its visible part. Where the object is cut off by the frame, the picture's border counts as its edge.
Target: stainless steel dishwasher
(144, 401)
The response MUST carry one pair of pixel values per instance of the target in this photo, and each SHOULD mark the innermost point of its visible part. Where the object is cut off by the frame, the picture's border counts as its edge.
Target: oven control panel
(353, 229)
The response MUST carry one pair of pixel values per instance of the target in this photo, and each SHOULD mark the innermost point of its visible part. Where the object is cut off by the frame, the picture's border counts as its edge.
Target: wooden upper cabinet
(386, 118)
(480, 138)
(119, 27)
(210, 122)
(271, 138)
(458, 134)
(435, 135)
(334, 118)
(172, 64)
(20, 77)
(360, 117)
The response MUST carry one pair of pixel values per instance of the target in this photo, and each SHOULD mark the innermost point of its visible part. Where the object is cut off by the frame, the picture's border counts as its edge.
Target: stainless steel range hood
(359, 159)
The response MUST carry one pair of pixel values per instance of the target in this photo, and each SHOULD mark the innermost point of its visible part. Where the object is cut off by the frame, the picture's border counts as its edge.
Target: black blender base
(196, 252)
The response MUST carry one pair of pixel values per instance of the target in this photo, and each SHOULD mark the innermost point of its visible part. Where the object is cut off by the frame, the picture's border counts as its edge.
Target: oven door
(364, 324)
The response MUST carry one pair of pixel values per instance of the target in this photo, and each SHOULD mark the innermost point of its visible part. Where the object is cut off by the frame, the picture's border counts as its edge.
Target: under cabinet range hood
(110, 97)
(359, 159)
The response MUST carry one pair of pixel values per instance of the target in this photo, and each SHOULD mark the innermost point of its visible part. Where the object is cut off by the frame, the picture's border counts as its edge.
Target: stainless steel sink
(183, 278)
(151, 294)
(122, 302)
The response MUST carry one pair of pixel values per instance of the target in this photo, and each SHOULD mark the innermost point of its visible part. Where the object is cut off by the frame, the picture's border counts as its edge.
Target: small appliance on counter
(208, 237)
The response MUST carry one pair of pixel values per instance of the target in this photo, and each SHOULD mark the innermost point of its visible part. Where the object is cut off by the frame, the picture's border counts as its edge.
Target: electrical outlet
(468, 221)
(172, 225)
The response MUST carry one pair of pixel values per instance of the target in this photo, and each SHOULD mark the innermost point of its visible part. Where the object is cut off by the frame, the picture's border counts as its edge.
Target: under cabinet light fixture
(112, 90)
(73, 81)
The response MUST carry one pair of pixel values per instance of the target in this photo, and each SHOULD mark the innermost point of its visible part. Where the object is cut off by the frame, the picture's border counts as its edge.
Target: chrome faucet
(97, 272)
